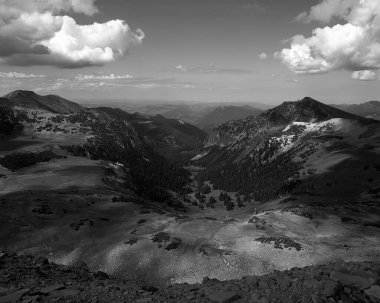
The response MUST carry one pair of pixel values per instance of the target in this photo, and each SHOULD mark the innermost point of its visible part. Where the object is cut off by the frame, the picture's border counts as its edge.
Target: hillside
(31, 100)
(55, 124)
(250, 151)
(223, 114)
(170, 137)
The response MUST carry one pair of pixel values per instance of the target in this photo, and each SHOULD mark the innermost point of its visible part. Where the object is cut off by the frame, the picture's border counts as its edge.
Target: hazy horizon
(196, 51)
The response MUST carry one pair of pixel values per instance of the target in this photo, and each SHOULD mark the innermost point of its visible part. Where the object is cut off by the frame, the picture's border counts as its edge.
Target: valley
(156, 200)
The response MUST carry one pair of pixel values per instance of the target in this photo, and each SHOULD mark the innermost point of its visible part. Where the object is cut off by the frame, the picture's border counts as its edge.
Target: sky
(266, 51)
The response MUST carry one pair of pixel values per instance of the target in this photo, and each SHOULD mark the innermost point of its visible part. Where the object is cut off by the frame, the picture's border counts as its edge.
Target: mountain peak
(20, 93)
(305, 110)
(51, 103)
(308, 100)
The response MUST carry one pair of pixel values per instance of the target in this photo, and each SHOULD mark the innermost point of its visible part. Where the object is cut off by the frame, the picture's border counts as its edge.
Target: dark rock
(174, 244)
(194, 288)
(101, 275)
(31, 299)
(14, 297)
(41, 261)
(330, 288)
(373, 291)
(51, 288)
(224, 297)
(161, 237)
(131, 241)
(80, 265)
(150, 288)
(352, 280)
(68, 292)
(280, 242)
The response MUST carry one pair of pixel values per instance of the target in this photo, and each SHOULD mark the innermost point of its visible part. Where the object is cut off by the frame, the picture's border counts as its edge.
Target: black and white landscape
(154, 196)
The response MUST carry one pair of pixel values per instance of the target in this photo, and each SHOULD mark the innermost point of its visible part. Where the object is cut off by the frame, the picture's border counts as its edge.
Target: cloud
(254, 5)
(15, 75)
(364, 75)
(181, 68)
(263, 56)
(31, 33)
(81, 77)
(15, 7)
(101, 83)
(352, 45)
(292, 80)
(210, 69)
(326, 10)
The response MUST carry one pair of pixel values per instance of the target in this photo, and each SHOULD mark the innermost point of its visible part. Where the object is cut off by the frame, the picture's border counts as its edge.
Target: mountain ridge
(370, 109)
(31, 100)
(225, 113)
(276, 145)
(171, 137)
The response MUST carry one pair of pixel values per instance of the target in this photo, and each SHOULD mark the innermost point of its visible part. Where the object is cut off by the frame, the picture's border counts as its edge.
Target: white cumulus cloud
(352, 44)
(34, 33)
(364, 75)
(263, 56)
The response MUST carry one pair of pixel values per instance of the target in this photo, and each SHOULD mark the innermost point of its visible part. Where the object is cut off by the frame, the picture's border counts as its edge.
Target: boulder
(330, 288)
(223, 297)
(352, 280)
(101, 275)
(66, 292)
(51, 288)
(373, 291)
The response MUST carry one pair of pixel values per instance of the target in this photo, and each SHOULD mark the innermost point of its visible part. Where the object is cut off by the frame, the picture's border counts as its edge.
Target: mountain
(31, 100)
(203, 115)
(170, 137)
(223, 114)
(295, 186)
(369, 109)
(269, 155)
(44, 128)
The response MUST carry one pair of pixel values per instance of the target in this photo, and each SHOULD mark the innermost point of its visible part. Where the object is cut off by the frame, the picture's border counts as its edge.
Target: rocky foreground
(30, 279)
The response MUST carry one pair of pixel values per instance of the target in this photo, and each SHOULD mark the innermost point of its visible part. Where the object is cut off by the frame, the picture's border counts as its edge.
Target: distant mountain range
(203, 115)
(369, 109)
(223, 114)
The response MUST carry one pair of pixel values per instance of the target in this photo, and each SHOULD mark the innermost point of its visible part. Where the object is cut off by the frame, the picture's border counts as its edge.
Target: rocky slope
(34, 279)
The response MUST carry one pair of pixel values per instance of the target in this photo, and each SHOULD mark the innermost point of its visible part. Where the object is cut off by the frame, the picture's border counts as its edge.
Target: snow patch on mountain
(199, 156)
